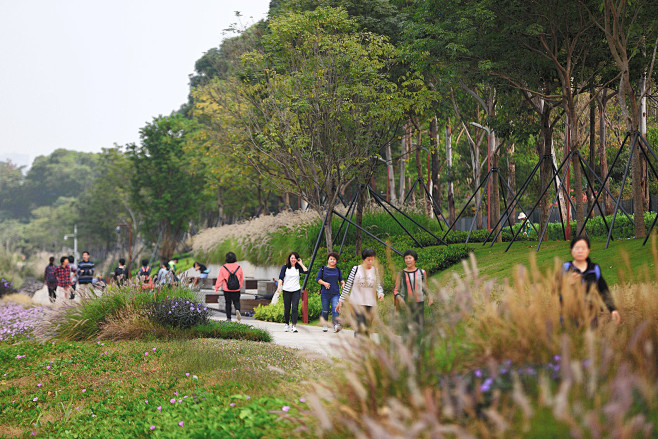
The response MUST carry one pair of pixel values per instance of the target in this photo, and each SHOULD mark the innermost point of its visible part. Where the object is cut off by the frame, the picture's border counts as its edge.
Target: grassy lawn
(622, 256)
(184, 388)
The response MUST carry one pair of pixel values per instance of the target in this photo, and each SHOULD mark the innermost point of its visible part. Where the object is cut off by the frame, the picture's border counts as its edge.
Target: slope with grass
(618, 262)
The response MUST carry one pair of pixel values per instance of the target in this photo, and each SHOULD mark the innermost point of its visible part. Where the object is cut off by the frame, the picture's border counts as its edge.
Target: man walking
(63, 275)
(85, 270)
(51, 280)
(74, 275)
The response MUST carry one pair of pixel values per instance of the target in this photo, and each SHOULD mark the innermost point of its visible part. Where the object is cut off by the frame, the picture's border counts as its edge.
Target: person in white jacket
(363, 288)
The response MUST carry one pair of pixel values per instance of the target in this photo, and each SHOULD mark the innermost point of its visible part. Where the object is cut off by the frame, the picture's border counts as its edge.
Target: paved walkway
(309, 338)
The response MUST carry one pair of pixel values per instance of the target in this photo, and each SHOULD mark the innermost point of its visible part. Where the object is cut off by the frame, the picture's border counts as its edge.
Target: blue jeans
(329, 301)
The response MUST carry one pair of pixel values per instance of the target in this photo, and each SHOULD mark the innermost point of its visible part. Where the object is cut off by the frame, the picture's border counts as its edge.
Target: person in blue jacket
(291, 289)
(331, 283)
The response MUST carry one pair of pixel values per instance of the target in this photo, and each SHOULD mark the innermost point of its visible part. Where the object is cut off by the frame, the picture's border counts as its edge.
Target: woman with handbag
(291, 289)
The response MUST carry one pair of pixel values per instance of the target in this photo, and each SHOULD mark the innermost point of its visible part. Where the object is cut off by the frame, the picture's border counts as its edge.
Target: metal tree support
(380, 200)
(551, 182)
(435, 206)
(508, 210)
(517, 198)
(637, 140)
(367, 233)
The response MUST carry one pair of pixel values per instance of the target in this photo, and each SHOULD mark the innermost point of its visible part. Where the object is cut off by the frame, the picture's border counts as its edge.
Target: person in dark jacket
(85, 270)
(291, 289)
(51, 279)
(584, 270)
(121, 272)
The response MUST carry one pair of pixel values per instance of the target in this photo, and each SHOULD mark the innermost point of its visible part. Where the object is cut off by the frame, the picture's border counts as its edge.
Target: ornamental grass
(501, 360)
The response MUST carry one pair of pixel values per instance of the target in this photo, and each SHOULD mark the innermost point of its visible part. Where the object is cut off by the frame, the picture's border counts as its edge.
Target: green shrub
(229, 330)
(596, 227)
(274, 313)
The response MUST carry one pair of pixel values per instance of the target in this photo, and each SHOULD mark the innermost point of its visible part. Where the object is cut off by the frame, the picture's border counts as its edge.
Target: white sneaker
(238, 315)
(286, 328)
(337, 327)
(294, 328)
(324, 328)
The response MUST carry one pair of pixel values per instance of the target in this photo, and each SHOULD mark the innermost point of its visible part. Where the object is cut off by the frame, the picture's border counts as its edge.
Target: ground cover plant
(166, 389)
(496, 360)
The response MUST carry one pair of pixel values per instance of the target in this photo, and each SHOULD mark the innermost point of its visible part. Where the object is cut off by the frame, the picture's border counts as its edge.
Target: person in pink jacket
(230, 280)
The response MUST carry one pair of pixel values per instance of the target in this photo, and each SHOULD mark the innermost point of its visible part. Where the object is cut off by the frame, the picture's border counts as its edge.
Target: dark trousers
(231, 297)
(291, 301)
(364, 315)
(51, 293)
(417, 312)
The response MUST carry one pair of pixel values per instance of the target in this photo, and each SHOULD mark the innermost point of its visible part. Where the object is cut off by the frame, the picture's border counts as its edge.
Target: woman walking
(51, 279)
(290, 287)
(230, 280)
(331, 280)
(411, 288)
(584, 270)
(363, 288)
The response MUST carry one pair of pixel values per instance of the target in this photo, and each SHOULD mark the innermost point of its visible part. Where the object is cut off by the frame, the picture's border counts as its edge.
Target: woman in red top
(230, 280)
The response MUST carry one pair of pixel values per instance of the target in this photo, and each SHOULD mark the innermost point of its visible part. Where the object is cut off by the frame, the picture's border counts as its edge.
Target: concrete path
(309, 338)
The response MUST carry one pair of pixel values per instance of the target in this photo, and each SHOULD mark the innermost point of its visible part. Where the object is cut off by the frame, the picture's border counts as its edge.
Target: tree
(629, 29)
(11, 182)
(317, 103)
(164, 191)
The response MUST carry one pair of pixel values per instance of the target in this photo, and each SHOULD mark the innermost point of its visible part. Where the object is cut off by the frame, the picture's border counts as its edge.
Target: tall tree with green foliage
(317, 103)
(164, 190)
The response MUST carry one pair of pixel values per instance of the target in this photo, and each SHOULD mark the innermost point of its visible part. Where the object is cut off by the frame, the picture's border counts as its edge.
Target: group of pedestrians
(363, 288)
(62, 280)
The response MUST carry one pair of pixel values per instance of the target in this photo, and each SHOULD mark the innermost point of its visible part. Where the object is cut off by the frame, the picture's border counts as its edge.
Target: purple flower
(302, 400)
(35, 399)
(478, 373)
(146, 354)
(159, 408)
(181, 423)
(84, 390)
(486, 386)
(285, 408)
(152, 427)
(187, 374)
(232, 404)
(556, 358)
(154, 349)
(172, 400)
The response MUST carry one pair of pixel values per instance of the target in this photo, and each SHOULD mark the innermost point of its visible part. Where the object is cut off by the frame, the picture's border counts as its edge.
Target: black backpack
(50, 274)
(232, 283)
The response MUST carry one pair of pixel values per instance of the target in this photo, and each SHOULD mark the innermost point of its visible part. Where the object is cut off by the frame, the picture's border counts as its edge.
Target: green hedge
(596, 228)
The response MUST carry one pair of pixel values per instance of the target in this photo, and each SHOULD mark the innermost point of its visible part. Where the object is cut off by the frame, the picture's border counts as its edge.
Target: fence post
(305, 306)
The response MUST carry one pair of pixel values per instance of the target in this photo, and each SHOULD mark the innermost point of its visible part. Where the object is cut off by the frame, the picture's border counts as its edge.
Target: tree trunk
(592, 152)
(603, 154)
(477, 177)
(434, 147)
(286, 201)
(495, 187)
(451, 186)
(511, 181)
(390, 174)
(419, 163)
(403, 161)
(644, 166)
(361, 201)
(577, 173)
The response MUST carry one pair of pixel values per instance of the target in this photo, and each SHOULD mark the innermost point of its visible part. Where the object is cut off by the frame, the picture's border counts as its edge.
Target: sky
(88, 74)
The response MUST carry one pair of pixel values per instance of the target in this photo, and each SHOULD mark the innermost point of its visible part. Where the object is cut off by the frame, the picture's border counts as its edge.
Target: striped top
(411, 285)
(363, 287)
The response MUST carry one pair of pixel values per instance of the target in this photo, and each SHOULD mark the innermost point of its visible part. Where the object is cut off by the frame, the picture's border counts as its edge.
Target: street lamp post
(74, 235)
(129, 225)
